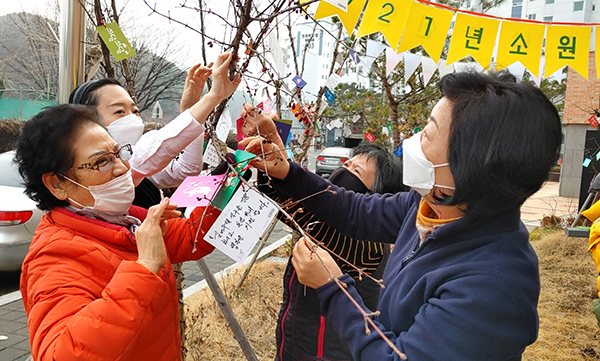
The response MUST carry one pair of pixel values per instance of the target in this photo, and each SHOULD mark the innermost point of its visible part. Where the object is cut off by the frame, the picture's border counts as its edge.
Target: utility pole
(71, 70)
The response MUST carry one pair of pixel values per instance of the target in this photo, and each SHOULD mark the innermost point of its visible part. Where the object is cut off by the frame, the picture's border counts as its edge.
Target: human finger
(237, 79)
(156, 212)
(171, 214)
(202, 71)
(244, 142)
(223, 60)
(164, 227)
(192, 70)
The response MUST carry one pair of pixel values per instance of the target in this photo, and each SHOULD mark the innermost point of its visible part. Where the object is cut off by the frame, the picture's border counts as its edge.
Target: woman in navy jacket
(462, 282)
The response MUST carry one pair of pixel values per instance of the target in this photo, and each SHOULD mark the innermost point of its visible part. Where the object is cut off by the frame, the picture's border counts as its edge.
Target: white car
(331, 159)
(19, 217)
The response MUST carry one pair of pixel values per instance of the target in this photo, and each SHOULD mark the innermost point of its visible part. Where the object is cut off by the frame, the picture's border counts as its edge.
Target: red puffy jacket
(87, 299)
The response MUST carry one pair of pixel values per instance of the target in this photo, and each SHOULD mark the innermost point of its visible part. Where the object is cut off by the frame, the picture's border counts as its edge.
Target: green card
(115, 41)
(231, 181)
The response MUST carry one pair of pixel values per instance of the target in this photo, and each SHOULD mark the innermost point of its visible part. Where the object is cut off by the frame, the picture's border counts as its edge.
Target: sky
(138, 17)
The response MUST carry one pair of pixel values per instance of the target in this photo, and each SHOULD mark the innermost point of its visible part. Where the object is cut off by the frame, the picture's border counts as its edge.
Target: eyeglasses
(107, 161)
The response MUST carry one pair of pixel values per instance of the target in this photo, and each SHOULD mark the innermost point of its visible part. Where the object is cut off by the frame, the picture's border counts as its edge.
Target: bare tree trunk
(107, 65)
(179, 277)
(129, 81)
(204, 61)
(393, 105)
(234, 325)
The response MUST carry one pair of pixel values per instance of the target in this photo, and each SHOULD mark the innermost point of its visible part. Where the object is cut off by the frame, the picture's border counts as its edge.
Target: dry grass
(256, 305)
(9, 133)
(568, 327)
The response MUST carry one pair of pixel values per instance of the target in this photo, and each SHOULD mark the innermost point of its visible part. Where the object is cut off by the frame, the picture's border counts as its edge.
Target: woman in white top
(168, 155)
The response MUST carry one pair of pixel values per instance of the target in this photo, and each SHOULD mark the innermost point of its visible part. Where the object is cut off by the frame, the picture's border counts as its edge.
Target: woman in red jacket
(97, 282)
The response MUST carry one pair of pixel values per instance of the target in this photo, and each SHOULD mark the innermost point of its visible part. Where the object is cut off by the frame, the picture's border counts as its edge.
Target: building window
(516, 12)
(593, 8)
(578, 6)
(547, 18)
(531, 16)
(549, 1)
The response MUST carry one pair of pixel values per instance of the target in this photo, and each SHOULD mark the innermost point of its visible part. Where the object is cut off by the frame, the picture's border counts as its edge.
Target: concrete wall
(572, 160)
(581, 99)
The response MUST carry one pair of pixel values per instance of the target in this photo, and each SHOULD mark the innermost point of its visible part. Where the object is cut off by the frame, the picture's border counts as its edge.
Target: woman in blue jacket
(462, 282)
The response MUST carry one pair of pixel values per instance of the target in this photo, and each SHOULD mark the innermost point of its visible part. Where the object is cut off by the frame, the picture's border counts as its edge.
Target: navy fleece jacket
(469, 292)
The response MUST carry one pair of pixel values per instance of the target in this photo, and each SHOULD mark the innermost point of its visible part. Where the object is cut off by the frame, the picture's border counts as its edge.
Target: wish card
(241, 224)
(197, 191)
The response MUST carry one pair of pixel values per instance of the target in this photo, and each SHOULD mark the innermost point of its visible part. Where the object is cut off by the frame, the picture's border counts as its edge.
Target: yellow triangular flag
(426, 26)
(387, 17)
(348, 18)
(568, 45)
(475, 36)
(520, 42)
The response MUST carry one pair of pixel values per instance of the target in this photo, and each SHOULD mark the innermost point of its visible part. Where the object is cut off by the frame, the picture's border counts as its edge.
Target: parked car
(19, 217)
(332, 158)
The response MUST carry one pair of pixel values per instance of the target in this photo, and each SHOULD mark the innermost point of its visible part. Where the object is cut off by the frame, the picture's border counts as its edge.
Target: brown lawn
(568, 328)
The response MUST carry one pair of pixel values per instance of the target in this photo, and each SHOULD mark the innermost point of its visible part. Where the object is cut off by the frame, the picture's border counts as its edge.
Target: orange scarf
(427, 220)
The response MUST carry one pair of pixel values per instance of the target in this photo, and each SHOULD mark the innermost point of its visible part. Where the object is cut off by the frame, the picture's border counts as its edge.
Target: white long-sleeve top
(168, 155)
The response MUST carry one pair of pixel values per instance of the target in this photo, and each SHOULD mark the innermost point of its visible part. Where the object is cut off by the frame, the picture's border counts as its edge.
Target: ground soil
(568, 327)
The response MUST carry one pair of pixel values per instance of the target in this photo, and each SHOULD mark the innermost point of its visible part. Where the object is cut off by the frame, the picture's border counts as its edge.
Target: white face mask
(418, 173)
(113, 197)
(127, 130)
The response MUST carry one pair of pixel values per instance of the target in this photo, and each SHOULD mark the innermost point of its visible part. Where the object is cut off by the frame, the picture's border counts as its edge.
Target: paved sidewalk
(13, 322)
(546, 202)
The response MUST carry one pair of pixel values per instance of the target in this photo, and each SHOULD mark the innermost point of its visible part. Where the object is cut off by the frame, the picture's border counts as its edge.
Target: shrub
(9, 133)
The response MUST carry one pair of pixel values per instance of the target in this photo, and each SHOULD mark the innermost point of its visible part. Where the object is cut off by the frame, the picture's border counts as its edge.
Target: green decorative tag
(231, 181)
(115, 41)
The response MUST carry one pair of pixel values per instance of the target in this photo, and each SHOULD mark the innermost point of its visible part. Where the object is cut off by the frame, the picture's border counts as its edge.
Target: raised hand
(152, 253)
(256, 120)
(194, 84)
(270, 159)
(313, 271)
(222, 87)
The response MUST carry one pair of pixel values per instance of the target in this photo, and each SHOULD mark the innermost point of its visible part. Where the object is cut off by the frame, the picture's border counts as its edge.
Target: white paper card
(337, 123)
(277, 54)
(324, 104)
(333, 81)
(210, 156)
(224, 125)
(243, 221)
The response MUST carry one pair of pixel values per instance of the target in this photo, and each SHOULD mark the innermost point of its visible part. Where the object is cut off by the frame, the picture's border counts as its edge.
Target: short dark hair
(504, 138)
(85, 94)
(45, 145)
(388, 178)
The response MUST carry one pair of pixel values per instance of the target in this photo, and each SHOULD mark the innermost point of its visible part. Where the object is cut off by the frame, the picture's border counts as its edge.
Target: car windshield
(9, 173)
(337, 152)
